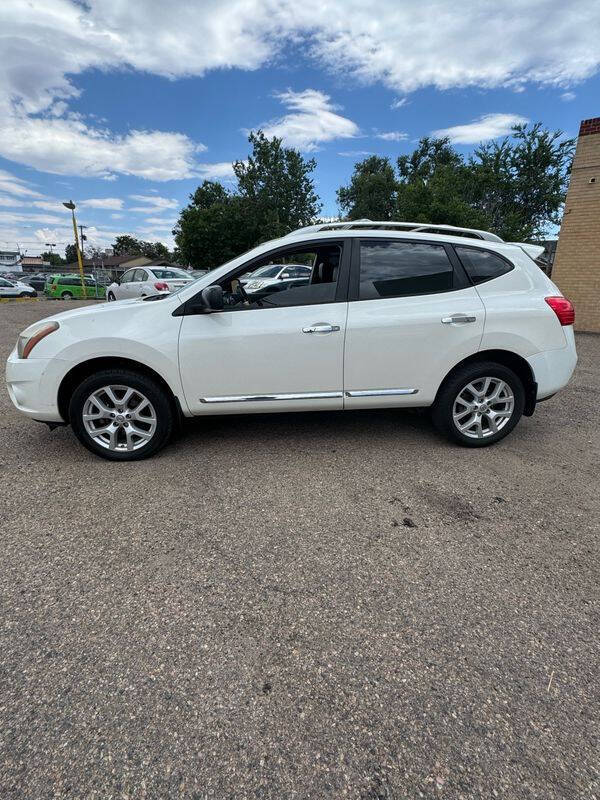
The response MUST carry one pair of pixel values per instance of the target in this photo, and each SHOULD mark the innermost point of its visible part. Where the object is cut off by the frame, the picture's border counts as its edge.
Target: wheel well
(511, 360)
(82, 371)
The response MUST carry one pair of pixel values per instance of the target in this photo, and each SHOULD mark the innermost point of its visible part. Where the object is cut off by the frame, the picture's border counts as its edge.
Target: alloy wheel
(119, 418)
(483, 407)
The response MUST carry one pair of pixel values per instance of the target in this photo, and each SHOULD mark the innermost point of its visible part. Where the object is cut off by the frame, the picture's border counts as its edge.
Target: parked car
(13, 276)
(472, 329)
(37, 281)
(68, 287)
(198, 273)
(15, 289)
(147, 281)
(273, 274)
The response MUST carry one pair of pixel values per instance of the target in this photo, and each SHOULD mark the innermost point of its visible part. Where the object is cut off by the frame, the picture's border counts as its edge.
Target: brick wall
(577, 265)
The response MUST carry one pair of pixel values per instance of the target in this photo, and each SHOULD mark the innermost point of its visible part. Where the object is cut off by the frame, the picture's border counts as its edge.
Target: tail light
(563, 309)
(161, 286)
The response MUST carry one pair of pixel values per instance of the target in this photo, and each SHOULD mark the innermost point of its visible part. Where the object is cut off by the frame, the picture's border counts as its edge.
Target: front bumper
(33, 386)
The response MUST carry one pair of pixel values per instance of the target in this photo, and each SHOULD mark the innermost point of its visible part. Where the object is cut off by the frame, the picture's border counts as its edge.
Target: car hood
(118, 307)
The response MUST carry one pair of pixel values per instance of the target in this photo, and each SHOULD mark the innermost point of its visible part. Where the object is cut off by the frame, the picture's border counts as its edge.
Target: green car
(68, 287)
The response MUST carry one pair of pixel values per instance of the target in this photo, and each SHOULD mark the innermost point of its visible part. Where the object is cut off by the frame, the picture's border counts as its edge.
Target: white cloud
(116, 216)
(12, 185)
(220, 171)
(313, 120)
(489, 126)
(355, 153)
(568, 96)
(440, 45)
(68, 147)
(160, 222)
(102, 202)
(152, 202)
(399, 103)
(10, 202)
(392, 136)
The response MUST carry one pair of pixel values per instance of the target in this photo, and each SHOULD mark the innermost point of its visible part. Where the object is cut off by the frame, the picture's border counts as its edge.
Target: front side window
(482, 265)
(397, 269)
(311, 277)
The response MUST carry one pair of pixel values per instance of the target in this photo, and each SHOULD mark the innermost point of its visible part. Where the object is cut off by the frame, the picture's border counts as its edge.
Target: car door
(126, 287)
(7, 289)
(285, 355)
(413, 315)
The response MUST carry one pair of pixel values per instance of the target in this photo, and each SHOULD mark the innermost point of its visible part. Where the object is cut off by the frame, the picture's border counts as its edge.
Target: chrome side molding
(380, 392)
(257, 398)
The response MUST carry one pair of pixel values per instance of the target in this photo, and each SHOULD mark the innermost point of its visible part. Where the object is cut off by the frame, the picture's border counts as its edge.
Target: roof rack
(416, 227)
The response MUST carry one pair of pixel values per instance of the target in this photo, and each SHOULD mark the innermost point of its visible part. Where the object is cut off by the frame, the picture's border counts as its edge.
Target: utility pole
(71, 206)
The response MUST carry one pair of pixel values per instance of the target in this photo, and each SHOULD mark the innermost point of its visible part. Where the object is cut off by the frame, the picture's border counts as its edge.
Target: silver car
(146, 281)
(275, 274)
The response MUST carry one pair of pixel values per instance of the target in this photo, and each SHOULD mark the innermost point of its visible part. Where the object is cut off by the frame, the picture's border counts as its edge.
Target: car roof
(372, 225)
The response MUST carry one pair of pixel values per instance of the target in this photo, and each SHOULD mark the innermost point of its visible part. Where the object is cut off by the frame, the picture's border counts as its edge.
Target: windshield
(270, 271)
(163, 274)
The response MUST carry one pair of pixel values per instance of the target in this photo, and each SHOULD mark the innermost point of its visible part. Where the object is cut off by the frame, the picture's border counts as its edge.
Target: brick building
(577, 263)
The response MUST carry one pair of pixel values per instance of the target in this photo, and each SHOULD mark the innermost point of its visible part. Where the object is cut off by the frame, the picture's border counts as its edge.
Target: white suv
(471, 328)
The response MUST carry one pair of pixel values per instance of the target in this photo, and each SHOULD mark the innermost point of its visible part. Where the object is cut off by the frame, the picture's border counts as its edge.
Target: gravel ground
(310, 606)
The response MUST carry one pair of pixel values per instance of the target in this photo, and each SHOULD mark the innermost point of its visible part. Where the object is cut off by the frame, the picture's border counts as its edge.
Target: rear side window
(397, 269)
(482, 265)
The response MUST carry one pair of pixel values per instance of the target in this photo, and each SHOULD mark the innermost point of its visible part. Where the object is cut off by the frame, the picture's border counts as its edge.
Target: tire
(454, 398)
(26, 294)
(66, 296)
(155, 420)
(110, 297)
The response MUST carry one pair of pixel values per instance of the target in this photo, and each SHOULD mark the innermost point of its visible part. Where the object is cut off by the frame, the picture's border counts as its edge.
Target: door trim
(257, 398)
(380, 392)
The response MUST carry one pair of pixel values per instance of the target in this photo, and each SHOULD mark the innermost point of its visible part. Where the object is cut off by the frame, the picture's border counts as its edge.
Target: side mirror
(212, 298)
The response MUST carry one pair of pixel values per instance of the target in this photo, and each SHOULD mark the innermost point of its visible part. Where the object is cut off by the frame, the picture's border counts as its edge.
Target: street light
(71, 206)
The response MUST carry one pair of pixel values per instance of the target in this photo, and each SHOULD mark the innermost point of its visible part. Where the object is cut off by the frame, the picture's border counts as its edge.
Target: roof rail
(417, 227)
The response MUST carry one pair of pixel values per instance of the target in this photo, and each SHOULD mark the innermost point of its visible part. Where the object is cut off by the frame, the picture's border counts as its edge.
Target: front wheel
(110, 297)
(121, 415)
(479, 404)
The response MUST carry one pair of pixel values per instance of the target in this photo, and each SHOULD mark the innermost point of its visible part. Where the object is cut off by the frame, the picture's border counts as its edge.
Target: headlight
(32, 335)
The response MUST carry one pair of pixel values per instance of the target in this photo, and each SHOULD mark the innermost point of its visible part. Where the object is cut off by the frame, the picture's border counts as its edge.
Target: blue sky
(125, 105)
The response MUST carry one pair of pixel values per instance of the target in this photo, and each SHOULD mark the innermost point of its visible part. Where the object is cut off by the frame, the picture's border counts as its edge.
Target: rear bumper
(32, 385)
(553, 369)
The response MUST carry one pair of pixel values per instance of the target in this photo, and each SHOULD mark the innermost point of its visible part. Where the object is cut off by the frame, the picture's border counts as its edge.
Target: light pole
(71, 206)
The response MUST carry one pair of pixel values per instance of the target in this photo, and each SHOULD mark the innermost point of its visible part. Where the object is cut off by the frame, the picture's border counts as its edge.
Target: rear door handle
(458, 318)
(321, 327)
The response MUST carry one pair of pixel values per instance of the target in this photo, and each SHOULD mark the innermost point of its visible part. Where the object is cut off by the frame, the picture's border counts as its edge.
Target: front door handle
(321, 327)
(458, 319)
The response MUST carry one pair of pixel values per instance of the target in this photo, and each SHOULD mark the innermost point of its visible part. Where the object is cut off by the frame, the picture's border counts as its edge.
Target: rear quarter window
(482, 265)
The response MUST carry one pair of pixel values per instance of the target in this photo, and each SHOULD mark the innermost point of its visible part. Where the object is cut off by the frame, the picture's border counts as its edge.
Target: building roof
(110, 261)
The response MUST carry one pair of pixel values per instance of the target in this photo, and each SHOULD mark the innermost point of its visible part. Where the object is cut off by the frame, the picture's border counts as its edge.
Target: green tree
(277, 184)
(274, 195)
(520, 183)
(127, 245)
(372, 190)
(54, 258)
(433, 186)
(70, 254)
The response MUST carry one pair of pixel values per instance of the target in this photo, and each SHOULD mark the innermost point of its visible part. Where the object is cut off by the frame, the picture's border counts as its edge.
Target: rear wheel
(121, 415)
(67, 296)
(479, 404)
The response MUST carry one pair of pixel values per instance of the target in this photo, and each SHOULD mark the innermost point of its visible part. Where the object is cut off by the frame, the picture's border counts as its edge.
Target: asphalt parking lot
(310, 606)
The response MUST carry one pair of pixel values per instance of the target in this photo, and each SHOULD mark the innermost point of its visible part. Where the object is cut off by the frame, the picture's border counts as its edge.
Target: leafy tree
(520, 183)
(276, 181)
(372, 190)
(70, 253)
(53, 258)
(515, 187)
(127, 245)
(274, 195)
